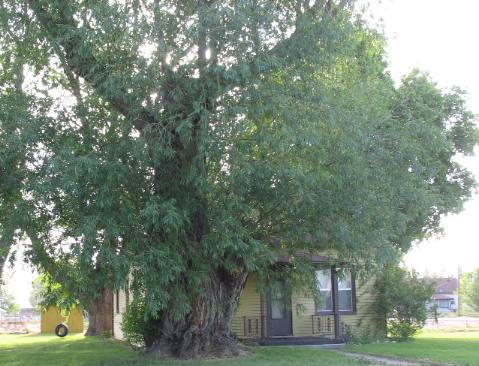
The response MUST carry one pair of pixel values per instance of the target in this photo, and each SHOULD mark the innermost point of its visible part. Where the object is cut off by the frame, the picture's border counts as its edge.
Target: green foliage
(178, 140)
(469, 290)
(139, 329)
(365, 334)
(37, 293)
(46, 293)
(7, 301)
(402, 301)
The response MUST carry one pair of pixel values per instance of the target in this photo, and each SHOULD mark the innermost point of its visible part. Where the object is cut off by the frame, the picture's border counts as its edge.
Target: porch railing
(324, 326)
(321, 326)
(254, 327)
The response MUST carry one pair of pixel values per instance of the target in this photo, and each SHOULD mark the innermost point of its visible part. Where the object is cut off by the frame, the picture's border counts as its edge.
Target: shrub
(402, 301)
(363, 335)
(139, 329)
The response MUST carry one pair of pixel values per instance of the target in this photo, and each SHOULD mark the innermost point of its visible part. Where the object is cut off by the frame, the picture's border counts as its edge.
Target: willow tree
(189, 143)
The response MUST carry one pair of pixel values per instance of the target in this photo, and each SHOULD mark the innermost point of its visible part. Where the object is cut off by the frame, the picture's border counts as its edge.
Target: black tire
(61, 330)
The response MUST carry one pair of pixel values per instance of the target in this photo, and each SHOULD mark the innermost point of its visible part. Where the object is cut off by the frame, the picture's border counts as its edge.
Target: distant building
(29, 314)
(445, 295)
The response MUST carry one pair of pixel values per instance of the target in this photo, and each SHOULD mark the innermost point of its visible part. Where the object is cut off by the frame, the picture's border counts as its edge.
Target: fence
(19, 323)
(458, 322)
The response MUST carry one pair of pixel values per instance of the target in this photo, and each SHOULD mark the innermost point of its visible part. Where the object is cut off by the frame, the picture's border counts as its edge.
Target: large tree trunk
(100, 311)
(206, 330)
(4, 249)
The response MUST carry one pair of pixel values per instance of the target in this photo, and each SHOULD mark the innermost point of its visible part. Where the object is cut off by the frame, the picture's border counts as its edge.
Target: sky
(438, 36)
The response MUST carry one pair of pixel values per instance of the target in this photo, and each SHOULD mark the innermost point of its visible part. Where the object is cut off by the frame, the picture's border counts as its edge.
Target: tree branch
(83, 62)
(288, 50)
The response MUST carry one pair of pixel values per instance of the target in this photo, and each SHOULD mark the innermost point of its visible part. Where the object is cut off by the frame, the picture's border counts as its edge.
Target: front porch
(275, 316)
(324, 329)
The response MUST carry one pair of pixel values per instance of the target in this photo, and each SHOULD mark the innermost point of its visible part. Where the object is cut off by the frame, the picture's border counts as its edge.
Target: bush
(138, 329)
(363, 335)
(402, 301)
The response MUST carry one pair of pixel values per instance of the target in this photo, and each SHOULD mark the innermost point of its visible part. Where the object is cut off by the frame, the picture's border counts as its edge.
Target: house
(445, 294)
(29, 314)
(274, 317)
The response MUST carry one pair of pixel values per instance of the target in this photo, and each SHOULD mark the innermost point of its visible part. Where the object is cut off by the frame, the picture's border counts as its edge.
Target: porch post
(334, 280)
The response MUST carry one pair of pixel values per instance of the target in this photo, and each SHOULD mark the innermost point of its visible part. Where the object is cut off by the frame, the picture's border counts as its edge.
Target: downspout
(112, 315)
(263, 318)
(334, 280)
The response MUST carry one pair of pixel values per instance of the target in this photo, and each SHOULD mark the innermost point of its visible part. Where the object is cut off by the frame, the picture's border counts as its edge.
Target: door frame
(288, 311)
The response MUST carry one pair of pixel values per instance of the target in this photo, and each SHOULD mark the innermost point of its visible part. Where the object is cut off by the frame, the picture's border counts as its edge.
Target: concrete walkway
(382, 360)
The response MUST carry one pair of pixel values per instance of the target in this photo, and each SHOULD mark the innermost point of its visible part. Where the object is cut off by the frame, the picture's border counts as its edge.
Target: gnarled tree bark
(206, 330)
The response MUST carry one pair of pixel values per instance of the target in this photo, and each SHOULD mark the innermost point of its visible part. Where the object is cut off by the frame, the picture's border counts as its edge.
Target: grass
(77, 350)
(457, 348)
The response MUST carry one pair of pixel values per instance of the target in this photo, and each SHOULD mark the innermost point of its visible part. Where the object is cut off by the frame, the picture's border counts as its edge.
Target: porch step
(287, 341)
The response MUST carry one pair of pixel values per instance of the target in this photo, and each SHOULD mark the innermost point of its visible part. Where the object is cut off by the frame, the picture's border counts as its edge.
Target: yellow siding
(365, 316)
(249, 306)
(51, 317)
(119, 302)
(303, 308)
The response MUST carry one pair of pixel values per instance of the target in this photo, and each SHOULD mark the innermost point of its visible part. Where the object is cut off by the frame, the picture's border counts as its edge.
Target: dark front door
(280, 323)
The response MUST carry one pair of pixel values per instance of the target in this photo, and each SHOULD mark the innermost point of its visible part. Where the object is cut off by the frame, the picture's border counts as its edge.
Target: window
(277, 304)
(343, 283)
(443, 304)
(323, 277)
(345, 290)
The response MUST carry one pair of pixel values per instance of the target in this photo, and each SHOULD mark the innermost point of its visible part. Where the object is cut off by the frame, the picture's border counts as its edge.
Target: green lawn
(458, 348)
(76, 350)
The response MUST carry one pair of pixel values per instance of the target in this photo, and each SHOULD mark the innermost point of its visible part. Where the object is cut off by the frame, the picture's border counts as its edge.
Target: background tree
(27, 121)
(14, 104)
(7, 302)
(37, 294)
(470, 290)
(46, 293)
(191, 143)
